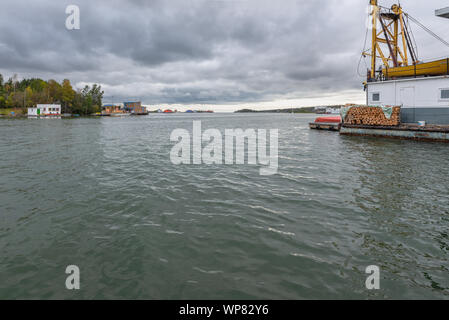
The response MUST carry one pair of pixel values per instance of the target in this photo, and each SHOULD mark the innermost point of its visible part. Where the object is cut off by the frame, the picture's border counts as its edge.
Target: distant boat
(168, 111)
(189, 111)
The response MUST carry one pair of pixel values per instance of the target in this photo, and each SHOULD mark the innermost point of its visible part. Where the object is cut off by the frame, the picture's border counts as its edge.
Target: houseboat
(45, 110)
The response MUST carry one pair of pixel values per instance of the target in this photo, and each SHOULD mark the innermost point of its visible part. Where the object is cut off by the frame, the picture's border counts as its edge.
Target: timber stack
(372, 116)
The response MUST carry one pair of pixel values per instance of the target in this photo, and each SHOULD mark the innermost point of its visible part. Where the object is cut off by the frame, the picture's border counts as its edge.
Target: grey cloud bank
(201, 51)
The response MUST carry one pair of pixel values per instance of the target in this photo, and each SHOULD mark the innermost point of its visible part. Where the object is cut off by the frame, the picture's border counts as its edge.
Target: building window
(444, 94)
(376, 97)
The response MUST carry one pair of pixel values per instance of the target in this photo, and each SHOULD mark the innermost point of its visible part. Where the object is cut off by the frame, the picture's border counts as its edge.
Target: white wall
(50, 108)
(411, 93)
(45, 109)
(32, 111)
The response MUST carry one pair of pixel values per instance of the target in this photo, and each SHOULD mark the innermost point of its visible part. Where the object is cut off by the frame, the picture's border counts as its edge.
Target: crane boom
(392, 44)
(394, 34)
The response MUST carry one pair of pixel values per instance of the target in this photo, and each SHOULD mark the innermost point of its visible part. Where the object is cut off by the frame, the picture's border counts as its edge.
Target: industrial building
(135, 108)
(111, 109)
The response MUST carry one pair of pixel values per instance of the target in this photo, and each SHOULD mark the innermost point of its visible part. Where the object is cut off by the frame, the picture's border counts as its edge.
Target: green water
(102, 194)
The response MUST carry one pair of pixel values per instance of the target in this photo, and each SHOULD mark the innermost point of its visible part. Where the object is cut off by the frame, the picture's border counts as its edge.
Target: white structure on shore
(331, 110)
(42, 110)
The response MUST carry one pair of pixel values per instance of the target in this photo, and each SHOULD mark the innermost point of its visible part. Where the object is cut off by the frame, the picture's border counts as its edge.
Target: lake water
(102, 194)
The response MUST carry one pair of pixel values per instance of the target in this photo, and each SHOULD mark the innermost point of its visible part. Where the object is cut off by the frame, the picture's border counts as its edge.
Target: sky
(222, 55)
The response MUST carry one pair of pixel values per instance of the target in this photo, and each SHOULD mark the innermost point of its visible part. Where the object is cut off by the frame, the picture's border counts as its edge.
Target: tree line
(29, 92)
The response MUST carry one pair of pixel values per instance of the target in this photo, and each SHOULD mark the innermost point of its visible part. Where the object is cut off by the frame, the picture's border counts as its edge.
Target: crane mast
(391, 42)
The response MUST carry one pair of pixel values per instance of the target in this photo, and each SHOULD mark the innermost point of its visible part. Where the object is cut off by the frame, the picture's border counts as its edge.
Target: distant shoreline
(289, 110)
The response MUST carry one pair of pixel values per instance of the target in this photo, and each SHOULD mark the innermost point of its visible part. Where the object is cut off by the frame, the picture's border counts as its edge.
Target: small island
(17, 96)
(320, 110)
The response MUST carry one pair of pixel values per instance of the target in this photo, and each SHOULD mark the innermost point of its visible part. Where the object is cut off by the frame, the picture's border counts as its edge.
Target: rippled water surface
(102, 194)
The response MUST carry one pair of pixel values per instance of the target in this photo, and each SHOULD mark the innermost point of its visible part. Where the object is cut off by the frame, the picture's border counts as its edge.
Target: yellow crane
(392, 44)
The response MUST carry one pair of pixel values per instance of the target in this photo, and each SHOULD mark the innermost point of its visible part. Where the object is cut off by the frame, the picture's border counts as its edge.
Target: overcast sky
(221, 55)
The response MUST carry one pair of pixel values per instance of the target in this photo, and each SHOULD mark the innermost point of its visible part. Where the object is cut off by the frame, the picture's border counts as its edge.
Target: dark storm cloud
(193, 51)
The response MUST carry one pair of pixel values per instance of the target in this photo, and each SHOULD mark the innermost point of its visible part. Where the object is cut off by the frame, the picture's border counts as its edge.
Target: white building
(330, 110)
(45, 110)
(422, 99)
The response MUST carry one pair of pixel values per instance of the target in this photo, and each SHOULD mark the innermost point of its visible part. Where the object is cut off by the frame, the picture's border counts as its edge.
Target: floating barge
(406, 98)
(405, 131)
(326, 123)
(325, 126)
(409, 131)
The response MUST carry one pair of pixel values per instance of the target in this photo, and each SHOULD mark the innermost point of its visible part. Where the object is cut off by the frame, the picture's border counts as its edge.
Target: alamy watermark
(72, 282)
(73, 21)
(373, 280)
(210, 147)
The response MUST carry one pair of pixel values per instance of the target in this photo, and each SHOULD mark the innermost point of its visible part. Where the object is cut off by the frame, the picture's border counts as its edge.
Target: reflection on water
(102, 194)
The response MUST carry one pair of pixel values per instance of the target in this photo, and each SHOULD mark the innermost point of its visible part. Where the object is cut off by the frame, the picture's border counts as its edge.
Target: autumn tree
(10, 100)
(28, 97)
(67, 94)
(2, 93)
(54, 92)
(33, 91)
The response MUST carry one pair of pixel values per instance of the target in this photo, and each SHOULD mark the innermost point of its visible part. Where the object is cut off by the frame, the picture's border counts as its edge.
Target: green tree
(19, 99)
(10, 100)
(92, 99)
(77, 103)
(2, 93)
(97, 95)
(29, 92)
(67, 94)
(28, 97)
(54, 92)
(38, 85)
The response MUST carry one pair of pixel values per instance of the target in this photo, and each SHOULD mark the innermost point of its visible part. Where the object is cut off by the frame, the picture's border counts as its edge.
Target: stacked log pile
(372, 116)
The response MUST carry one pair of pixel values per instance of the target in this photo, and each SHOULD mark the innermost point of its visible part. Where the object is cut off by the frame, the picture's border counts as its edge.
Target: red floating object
(328, 119)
